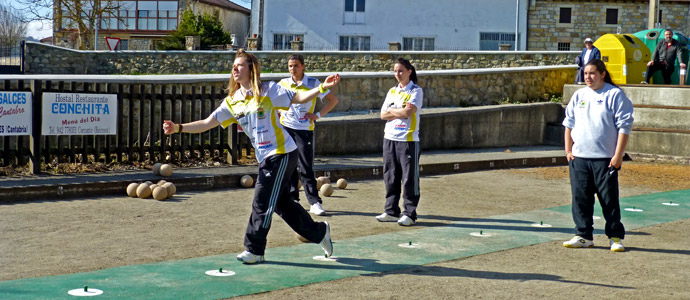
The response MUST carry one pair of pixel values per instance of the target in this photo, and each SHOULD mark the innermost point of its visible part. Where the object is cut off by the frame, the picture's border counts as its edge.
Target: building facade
(563, 25)
(140, 24)
(372, 25)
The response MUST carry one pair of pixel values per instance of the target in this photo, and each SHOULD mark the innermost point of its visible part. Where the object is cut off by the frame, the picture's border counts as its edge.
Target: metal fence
(141, 108)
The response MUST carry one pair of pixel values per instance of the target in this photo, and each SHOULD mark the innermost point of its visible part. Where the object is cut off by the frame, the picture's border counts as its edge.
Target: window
(282, 41)
(355, 43)
(564, 17)
(122, 45)
(418, 43)
(142, 15)
(354, 12)
(612, 16)
(354, 5)
(563, 46)
(491, 40)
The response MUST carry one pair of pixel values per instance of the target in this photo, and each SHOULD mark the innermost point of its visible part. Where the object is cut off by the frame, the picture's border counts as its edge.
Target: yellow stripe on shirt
(413, 127)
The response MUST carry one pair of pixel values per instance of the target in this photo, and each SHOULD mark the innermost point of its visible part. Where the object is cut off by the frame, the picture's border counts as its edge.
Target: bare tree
(12, 29)
(80, 17)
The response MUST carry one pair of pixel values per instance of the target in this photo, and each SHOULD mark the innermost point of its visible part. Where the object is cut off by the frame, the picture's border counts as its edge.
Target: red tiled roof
(229, 5)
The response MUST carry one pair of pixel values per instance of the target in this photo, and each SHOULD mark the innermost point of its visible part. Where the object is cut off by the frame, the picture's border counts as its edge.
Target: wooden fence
(141, 107)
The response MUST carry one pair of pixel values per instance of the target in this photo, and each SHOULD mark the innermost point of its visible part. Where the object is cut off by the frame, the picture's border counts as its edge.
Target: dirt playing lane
(49, 238)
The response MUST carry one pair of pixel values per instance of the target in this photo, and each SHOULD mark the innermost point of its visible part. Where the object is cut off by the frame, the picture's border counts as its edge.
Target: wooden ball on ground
(166, 170)
(171, 188)
(153, 187)
(143, 191)
(156, 169)
(247, 181)
(324, 179)
(160, 193)
(319, 183)
(327, 189)
(301, 238)
(132, 189)
(341, 183)
(161, 182)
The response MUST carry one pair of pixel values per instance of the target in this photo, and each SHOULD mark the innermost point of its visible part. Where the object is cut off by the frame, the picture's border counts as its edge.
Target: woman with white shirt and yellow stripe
(254, 106)
(401, 149)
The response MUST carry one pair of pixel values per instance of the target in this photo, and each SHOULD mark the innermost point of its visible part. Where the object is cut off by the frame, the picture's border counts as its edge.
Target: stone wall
(458, 88)
(588, 19)
(46, 59)
(445, 128)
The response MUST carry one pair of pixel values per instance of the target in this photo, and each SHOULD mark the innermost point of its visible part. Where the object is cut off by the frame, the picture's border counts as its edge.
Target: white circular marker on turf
(481, 234)
(670, 204)
(323, 258)
(83, 293)
(220, 273)
(409, 245)
(634, 209)
(541, 225)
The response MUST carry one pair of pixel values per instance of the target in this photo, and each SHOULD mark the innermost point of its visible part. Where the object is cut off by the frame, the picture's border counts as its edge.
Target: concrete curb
(198, 182)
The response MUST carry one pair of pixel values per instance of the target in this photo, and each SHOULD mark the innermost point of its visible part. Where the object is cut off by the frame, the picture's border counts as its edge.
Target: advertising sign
(79, 114)
(15, 113)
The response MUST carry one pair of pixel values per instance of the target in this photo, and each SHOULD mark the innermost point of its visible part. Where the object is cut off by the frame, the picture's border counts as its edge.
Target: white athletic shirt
(259, 120)
(403, 130)
(294, 117)
(596, 117)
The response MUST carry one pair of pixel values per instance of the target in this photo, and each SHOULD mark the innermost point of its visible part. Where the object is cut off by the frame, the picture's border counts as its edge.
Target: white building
(371, 25)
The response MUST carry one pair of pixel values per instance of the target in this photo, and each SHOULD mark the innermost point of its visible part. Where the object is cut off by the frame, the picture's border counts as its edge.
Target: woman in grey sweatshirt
(598, 120)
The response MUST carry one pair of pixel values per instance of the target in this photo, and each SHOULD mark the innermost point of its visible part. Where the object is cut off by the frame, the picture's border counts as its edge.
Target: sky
(40, 30)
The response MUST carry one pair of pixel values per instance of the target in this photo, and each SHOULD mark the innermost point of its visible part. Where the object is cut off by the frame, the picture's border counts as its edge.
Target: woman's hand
(169, 127)
(616, 162)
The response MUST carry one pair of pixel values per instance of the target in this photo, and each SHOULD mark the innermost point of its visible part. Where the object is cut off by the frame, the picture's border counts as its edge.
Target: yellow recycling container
(625, 56)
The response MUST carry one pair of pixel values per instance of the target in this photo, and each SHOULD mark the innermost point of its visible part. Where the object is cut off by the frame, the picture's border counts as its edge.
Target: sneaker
(644, 82)
(384, 217)
(578, 242)
(617, 245)
(326, 243)
(316, 209)
(250, 258)
(405, 221)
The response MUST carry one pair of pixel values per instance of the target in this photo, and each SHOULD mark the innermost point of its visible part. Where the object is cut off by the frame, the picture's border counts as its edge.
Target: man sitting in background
(664, 58)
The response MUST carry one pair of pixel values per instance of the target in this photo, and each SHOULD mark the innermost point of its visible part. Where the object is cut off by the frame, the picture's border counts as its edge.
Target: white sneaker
(250, 258)
(578, 242)
(384, 217)
(316, 209)
(405, 221)
(326, 243)
(617, 245)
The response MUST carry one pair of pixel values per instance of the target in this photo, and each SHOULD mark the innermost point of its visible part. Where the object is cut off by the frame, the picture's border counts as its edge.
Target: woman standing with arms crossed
(401, 149)
(598, 120)
(254, 106)
(299, 122)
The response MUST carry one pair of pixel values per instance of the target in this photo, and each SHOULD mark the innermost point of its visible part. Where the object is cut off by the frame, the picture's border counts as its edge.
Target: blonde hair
(254, 74)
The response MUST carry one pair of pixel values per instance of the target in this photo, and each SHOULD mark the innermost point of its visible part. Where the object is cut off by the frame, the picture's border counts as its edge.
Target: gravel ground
(49, 238)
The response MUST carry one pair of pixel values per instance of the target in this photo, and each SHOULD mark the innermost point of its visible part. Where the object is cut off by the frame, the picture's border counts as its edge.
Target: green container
(651, 38)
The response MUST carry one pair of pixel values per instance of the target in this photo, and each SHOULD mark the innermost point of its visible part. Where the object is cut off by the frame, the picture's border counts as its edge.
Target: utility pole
(517, 18)
(653, 14)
